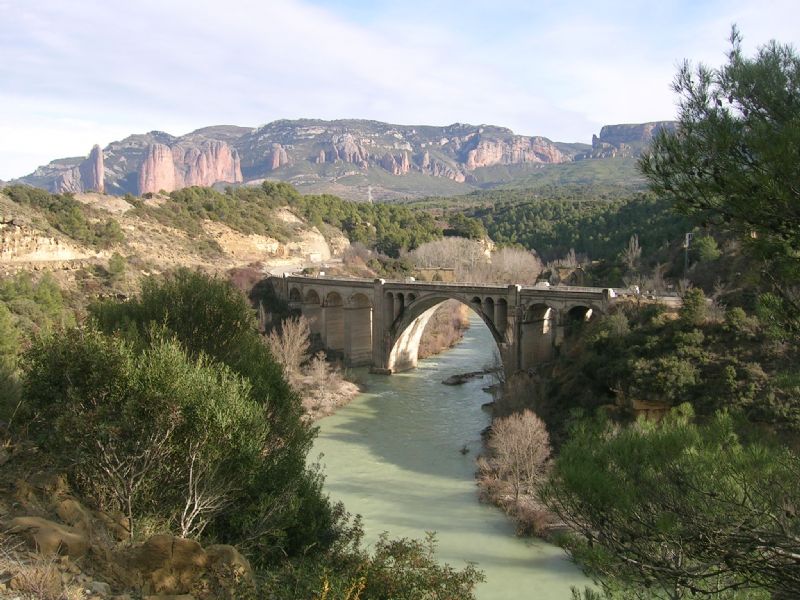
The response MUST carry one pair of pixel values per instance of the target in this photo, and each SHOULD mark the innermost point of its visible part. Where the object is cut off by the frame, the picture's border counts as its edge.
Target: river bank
(394, 455)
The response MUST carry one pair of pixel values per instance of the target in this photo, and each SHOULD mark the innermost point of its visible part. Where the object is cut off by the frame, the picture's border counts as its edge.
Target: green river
(394, 456)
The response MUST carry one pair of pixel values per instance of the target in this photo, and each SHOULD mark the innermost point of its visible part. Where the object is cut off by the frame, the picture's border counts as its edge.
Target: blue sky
(75, 73)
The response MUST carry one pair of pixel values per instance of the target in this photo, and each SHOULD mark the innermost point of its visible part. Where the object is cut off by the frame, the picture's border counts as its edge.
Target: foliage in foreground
(153, 434)
(170, 409)
(400, 569)
(679, 508)
(734, 161)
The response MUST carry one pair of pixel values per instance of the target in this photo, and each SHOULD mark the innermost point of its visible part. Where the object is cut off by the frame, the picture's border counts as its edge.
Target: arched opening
(501, 316)
(334, 321)
(312, 310)
(575, 318)
(358, 330)
(399, 304)
(537, 335)
(580, 314)
(488, 308)
(295, 296)
(408, 331)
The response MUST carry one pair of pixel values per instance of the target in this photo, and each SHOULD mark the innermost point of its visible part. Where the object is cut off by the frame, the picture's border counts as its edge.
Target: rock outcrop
(183, 165)
(24, 245)
(86, 176)
(82, 551)
(278, 157)
(625, 140)
(396, 165)
(517, 150)
(158, 170)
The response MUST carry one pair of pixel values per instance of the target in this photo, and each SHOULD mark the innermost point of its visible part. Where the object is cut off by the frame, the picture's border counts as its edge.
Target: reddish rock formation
(88, 176)
(396, 166)
(207, 164)
(405, 164)
(168, 169)
(278, 157)
(158, 170)
(519, 150)
(93, 171)
(437, 168)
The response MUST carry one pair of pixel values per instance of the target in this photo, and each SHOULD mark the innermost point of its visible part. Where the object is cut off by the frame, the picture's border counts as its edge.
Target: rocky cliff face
(516, 150)
(626, 140)
(74, 175)
(183, 165)
(320, 155)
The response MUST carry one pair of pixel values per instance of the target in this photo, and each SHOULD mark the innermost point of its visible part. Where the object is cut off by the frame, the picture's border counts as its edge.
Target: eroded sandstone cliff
(170, 168)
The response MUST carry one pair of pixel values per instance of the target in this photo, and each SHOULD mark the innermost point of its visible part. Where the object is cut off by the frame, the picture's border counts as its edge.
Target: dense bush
(210, 317)
(37, 306)
(680, 510)
(153, 434)
(598, 229)
(401, 569)
(639, 354)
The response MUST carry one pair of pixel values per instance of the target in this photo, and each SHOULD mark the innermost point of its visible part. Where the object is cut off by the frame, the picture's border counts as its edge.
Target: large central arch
(410, 321)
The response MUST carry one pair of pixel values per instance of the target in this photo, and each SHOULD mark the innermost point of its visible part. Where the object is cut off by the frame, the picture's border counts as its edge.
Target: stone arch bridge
(379, 323)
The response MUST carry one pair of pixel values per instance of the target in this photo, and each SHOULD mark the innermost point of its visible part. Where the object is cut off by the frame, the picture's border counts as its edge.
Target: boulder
(50, 538)
(168, 564)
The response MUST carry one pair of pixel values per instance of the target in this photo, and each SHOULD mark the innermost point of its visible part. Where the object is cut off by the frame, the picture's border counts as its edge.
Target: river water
(394, 455)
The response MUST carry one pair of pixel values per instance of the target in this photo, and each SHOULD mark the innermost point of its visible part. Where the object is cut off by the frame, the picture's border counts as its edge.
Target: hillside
(355, 159)
(77, 236)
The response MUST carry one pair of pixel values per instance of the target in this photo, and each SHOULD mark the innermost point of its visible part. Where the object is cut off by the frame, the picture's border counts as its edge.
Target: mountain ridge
(352, 157)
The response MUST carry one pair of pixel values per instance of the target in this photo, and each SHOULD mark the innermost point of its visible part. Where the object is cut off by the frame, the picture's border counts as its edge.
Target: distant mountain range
(352, 158)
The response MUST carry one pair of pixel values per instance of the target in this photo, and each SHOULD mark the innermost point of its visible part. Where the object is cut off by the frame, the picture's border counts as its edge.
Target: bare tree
(124, 471)
(208, 492)
(514, 265)
(520, 447)
(290, 345)
(632, 253)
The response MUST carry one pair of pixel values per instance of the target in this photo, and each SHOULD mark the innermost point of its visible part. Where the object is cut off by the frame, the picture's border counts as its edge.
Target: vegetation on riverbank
(171, 411)
(698, 495)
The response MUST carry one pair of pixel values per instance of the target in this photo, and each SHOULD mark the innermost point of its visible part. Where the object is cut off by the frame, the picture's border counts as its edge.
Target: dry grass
(34, 578)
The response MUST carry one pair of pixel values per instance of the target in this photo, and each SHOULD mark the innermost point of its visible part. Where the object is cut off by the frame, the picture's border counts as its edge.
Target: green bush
(679, 508)
(210, 317)
(705, 248)
(37, 306)
(401, 569)
(694, 308)
(145, 432)
(116, 266)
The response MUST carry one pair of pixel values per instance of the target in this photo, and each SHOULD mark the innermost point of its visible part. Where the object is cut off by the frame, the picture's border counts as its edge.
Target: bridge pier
(358, 333)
